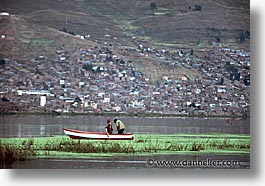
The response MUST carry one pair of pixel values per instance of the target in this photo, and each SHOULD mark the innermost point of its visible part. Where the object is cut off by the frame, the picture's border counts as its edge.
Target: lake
(41, 125)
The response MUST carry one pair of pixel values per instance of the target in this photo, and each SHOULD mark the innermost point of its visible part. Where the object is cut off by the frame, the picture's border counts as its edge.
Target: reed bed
(18, 149)
(15, 152)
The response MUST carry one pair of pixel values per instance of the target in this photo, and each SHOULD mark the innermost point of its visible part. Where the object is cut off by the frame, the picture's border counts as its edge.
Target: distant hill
(178, 46)
(23, 40)
(169, 22)
(38, 27)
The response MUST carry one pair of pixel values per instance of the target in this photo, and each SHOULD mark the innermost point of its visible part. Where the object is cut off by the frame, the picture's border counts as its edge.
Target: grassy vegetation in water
(13, 149)
(10, 152)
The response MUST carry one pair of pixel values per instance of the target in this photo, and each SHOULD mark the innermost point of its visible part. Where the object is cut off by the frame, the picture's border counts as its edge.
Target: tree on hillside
(247, 79)
(2, 63)
(218, 39)
(5, 99)
(197, 8)
(247, 34)
(152, 6)
(66, 31)
(87, 65)
(242, 37)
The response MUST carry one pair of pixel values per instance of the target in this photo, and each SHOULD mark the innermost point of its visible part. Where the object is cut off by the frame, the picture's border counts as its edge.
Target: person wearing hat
(108, 127)
(120, 126)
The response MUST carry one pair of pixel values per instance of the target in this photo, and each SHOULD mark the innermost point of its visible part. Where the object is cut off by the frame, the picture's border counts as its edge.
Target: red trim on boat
(100, 133)
(77, 137)
(129, 136)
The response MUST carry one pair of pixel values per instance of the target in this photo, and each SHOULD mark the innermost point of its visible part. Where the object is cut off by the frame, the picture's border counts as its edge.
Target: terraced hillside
(170, 22)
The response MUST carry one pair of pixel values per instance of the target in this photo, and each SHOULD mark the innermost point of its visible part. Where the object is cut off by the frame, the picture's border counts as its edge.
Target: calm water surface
(35, 126)
(135, 162)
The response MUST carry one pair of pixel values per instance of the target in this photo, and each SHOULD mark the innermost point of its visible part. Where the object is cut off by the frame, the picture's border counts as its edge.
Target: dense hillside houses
(102, 79)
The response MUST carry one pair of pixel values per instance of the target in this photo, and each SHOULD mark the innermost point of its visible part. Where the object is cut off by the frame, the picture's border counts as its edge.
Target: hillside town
(104, 80)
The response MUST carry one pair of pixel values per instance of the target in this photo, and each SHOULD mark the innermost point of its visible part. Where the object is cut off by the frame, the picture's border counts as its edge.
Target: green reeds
(15, 152)
(23, 149)
(77, 146)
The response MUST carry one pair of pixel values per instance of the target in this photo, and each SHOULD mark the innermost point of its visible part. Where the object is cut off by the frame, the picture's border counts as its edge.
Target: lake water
(39, 125)
(137, 162)
(36, 126)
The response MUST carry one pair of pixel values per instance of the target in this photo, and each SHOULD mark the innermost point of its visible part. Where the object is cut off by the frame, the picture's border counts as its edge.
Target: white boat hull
(77, 134)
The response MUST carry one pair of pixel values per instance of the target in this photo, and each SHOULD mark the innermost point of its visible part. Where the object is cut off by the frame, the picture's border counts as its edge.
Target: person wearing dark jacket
(108, 127)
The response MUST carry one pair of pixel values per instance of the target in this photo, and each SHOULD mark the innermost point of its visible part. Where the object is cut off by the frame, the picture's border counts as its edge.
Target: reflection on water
(33, 126)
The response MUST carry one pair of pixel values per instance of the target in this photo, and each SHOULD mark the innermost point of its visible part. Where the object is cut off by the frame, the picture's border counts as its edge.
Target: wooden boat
(77, 134)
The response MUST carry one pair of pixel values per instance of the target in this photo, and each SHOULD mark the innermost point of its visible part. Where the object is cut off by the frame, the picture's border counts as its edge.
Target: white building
(42, 101)
(4, 14)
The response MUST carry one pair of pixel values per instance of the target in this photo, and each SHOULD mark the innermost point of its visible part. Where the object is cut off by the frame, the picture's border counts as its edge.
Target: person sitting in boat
(120, 126)
(108, 127)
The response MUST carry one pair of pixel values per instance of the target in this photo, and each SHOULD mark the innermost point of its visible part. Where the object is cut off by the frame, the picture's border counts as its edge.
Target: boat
(77, 134)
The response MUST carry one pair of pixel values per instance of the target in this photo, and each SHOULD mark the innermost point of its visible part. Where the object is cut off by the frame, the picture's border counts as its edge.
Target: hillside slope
(181, 57)
(175, 22)
(24, 41)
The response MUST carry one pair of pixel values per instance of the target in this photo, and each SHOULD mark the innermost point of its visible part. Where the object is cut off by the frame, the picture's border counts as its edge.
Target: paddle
(107, 132)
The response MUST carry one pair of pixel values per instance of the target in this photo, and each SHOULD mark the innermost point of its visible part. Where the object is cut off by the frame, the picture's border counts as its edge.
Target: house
(4, 14)
(221, 89)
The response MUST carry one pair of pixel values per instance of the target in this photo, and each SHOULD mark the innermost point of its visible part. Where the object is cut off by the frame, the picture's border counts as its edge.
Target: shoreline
(108, 114)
